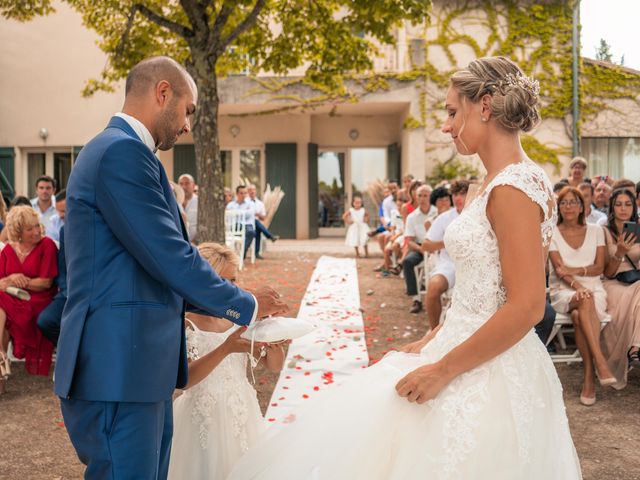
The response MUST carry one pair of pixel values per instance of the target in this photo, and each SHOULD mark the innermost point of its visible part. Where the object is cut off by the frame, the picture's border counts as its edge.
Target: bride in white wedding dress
(478, 397)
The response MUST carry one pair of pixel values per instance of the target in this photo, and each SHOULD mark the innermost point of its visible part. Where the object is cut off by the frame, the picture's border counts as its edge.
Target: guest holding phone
(620, 339)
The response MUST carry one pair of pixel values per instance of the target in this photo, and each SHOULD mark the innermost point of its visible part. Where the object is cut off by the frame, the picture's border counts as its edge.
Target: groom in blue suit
(131, 272)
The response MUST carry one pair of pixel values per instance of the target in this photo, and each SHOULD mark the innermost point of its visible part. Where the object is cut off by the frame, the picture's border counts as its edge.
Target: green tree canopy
(330, 38)
(603, 51)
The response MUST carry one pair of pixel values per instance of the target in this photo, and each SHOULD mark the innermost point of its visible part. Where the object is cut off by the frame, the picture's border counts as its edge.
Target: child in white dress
(357, 218)
(217, 418)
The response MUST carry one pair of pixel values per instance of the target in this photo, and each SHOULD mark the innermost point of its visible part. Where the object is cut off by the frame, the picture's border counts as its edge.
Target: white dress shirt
(191, 210)
(48, 214)
(596, 217)
(142, 131)
(259, 207)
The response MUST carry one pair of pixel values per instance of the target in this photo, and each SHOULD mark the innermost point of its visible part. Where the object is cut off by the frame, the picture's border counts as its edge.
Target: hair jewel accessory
(522, 81)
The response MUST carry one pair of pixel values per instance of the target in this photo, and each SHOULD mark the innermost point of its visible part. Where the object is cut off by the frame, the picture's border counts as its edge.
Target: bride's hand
(424, 383)
(415, 347)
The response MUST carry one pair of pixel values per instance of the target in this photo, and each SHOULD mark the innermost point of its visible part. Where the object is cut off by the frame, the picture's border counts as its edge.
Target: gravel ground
(34, 444)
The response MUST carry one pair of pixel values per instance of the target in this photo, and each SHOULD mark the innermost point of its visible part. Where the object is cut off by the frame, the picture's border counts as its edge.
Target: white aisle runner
(332, 352)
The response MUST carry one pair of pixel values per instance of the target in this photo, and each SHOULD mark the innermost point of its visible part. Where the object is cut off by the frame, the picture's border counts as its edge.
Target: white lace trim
(225, 387)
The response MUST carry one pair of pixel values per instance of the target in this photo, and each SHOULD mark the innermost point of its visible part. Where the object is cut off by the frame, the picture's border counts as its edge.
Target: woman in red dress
(28, 261)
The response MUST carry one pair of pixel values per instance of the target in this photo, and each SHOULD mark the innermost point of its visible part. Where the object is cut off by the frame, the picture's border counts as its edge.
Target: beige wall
(45, 64)
(302, 129)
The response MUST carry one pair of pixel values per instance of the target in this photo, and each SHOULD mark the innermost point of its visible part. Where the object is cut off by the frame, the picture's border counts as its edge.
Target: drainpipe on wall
(575, 49)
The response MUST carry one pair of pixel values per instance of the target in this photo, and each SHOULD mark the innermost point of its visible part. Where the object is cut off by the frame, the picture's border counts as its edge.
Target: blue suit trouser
(249, 235)
(120, 440)
(261, 229)
(50, 318)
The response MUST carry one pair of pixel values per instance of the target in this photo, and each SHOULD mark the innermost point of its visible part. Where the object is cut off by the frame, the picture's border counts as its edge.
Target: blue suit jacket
(130, 268)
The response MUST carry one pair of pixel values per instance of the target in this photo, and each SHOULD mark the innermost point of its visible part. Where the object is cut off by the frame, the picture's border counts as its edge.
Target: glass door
(331, 192)
(61, 169)
(36, 167)
(368, 165)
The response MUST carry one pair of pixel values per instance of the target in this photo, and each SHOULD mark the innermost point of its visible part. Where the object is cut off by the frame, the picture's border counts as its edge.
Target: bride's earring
(484, 119)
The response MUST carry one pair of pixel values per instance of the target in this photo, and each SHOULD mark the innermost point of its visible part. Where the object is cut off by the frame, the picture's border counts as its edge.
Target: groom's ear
(162, 93)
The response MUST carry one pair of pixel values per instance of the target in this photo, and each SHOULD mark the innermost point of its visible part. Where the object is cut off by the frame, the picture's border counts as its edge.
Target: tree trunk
(207, 145)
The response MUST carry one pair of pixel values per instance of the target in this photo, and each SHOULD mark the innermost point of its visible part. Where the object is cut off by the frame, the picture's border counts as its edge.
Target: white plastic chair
(563, 324)
(234, 232)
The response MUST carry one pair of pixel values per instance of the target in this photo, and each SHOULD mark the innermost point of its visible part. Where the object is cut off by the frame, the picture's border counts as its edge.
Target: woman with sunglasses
(621, 337)
(577, 253)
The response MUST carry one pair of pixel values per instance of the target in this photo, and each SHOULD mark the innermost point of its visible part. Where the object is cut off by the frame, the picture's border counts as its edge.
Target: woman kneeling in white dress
(217, 418)
(478, 397)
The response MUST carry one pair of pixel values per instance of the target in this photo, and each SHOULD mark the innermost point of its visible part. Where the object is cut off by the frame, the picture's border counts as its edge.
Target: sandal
(5, 366)
(395, 270)
(634, 358)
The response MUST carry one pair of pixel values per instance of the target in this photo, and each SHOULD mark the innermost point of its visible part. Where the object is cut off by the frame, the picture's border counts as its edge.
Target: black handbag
(630, 276)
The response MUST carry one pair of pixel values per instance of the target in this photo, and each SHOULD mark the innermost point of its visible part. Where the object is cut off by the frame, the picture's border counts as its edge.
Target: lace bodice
(472, 244)
(225, 388)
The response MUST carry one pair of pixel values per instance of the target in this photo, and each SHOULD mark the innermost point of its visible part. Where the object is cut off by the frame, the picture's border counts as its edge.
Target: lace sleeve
(192, 347)
(532, 180)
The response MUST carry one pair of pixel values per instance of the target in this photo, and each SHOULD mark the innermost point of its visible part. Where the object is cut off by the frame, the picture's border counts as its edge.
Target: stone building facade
(322, 148)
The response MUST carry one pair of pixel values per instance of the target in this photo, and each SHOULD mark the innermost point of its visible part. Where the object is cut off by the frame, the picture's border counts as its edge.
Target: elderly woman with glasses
(577, 253)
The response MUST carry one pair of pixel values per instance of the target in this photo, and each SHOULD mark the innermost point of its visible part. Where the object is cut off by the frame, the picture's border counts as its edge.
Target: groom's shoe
(416, 307)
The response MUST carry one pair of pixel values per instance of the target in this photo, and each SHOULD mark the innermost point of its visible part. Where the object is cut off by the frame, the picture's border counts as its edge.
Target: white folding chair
(234, 232)
(421, 278)
(564, 324)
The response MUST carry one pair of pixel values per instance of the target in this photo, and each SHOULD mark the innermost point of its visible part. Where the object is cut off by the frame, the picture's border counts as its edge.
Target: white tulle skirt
(504, 420)
(211, 433)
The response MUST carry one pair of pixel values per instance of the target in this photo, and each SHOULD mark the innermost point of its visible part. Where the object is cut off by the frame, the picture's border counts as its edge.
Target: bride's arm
(522, 262)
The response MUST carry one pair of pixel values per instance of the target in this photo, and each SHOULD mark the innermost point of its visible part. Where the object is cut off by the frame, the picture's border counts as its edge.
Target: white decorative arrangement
(276, 329)
(271, 200)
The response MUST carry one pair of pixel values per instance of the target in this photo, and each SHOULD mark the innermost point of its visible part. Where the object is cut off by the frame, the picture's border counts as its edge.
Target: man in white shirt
(388, 204)
(443, 276)
(385, 208)
(414, 234)
(44, 202)
(261, 215)
(249, 218)
(57, 221)
(601, 196)
(190, 203)
(591, 215)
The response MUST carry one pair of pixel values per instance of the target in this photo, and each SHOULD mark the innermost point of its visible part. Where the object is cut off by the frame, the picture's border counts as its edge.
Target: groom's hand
(269, 302)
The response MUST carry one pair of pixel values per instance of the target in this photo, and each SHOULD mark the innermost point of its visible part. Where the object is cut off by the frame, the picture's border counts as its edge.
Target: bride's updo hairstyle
(515, 96)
